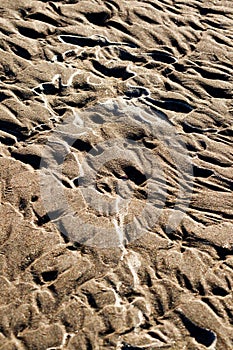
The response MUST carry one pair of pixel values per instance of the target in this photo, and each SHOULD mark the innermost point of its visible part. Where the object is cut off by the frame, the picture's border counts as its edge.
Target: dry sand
(164, 289)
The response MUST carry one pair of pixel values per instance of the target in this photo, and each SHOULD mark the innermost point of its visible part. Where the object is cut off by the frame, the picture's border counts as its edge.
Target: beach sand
(128, 244)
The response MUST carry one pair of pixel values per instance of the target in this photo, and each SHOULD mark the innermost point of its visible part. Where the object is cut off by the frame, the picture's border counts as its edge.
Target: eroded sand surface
(145, 286)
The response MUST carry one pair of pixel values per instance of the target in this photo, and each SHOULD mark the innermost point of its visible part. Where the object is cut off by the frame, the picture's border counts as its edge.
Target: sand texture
(116, 175)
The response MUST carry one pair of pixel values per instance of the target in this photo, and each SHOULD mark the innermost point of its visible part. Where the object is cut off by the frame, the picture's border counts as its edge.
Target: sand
(116, 175)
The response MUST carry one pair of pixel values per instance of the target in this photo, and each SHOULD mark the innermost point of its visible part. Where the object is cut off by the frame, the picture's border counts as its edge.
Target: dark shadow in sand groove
(98, 18)
(202, 172)
(20, 51)
(6, 140)
(47, 89)
(217, 92)
(162, 57)
(129, 347)
(211, 75)
(173, 105)
(136, 92)
(116, 72)
(30, 33)
(13, 129)
(118, 26)
(43, 18)
(83, 41)
(30, 159)
(127, 56)
(49, 276)
(203, 336)
(91, 41)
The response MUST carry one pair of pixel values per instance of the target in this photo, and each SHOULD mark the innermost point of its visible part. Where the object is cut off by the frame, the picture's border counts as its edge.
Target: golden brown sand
(75, 288)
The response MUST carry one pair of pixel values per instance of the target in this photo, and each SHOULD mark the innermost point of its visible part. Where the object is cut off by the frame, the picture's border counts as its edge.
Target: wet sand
(123, 84)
